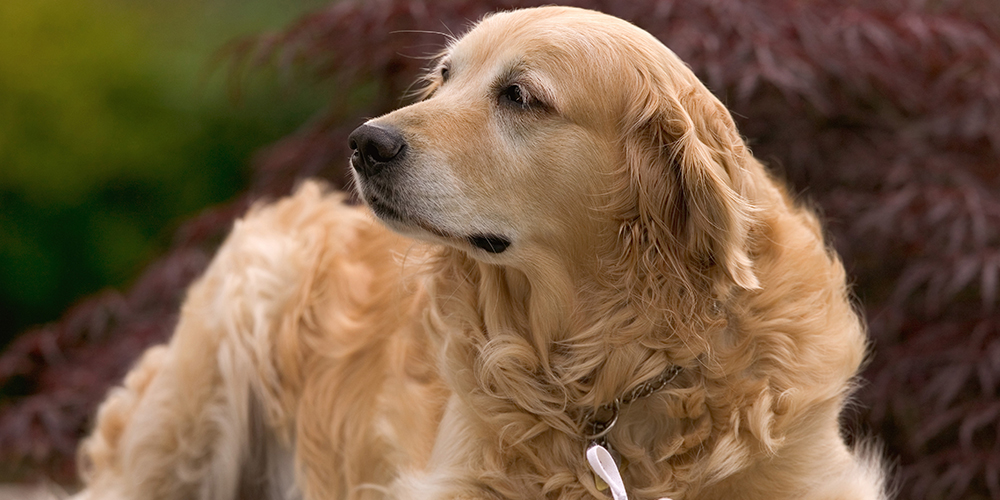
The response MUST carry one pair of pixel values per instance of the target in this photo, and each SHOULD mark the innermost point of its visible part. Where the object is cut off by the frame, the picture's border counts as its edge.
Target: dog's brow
(511, 72)
(514, 72)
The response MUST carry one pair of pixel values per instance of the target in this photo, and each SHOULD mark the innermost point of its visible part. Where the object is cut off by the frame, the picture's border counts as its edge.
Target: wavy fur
(322, 356)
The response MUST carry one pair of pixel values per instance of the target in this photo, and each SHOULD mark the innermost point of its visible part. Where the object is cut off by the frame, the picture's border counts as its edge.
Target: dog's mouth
(396, 218)
(491, 243)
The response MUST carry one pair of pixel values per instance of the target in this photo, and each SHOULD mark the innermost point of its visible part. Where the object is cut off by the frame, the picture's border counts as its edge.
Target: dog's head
(564, 135)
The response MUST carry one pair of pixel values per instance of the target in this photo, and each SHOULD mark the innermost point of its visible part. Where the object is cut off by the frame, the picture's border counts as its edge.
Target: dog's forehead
(550, 42)
(497, 45)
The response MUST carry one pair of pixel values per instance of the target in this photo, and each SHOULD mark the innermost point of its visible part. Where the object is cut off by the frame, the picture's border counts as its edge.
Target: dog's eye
(445, 72)
(515, 94)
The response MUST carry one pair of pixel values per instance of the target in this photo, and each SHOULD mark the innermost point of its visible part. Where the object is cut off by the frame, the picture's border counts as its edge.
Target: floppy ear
(689, 174)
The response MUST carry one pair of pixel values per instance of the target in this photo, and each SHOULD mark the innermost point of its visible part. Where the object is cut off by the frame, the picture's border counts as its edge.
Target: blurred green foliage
(115, 124)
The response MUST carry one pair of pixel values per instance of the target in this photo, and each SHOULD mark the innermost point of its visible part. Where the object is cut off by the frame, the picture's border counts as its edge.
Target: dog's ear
(689, 179)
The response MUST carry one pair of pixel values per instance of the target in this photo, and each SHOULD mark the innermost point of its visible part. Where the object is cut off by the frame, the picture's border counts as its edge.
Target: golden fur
(322, 356)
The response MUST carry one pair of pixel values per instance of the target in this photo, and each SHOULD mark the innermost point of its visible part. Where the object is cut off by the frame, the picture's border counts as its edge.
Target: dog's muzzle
(379, 150)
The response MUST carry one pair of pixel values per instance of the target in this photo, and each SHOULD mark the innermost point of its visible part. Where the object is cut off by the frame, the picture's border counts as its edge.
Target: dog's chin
(401, 221)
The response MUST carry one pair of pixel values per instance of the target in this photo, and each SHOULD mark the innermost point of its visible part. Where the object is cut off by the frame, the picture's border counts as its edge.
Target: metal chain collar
(604, 418)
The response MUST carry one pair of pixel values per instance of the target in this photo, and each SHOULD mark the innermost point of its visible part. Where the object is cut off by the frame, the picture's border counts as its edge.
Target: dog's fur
(322, 356)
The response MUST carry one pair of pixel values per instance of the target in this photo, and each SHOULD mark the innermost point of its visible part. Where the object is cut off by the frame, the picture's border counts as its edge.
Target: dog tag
(606, 470)
(601, 485)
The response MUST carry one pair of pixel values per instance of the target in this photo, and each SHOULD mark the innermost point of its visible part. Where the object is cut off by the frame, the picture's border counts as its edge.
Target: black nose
(375, 148)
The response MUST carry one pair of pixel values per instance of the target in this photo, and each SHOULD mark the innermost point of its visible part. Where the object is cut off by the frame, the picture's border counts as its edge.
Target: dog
(569, 274)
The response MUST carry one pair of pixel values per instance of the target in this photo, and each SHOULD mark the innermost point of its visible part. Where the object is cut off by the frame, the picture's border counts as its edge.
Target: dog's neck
(551, 347)
(604, 418)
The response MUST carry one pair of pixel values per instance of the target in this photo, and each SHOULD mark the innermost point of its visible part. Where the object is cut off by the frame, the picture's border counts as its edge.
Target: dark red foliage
(886, 117)
(52, 378)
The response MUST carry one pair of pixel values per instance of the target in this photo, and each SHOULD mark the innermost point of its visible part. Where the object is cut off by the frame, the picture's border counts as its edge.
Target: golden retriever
(597, 258)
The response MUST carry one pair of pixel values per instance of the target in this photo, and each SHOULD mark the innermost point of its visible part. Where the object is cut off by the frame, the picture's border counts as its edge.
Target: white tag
(605, 468)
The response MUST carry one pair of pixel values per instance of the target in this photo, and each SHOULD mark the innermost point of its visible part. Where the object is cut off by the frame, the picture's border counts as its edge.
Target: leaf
(962, 273)
(946, 384)
(989, 283)
(955, 481)
(991, 474)
(934, 424)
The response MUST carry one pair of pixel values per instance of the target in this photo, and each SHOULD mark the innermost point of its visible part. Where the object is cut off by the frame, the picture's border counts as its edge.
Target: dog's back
(305, 299)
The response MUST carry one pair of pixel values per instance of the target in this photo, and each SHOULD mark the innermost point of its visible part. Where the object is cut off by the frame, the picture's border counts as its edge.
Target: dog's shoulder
(312, 220)
(281, 253)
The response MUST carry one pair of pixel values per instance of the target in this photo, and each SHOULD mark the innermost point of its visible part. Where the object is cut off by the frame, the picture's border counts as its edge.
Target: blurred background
(116, 123)
(133, 133)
